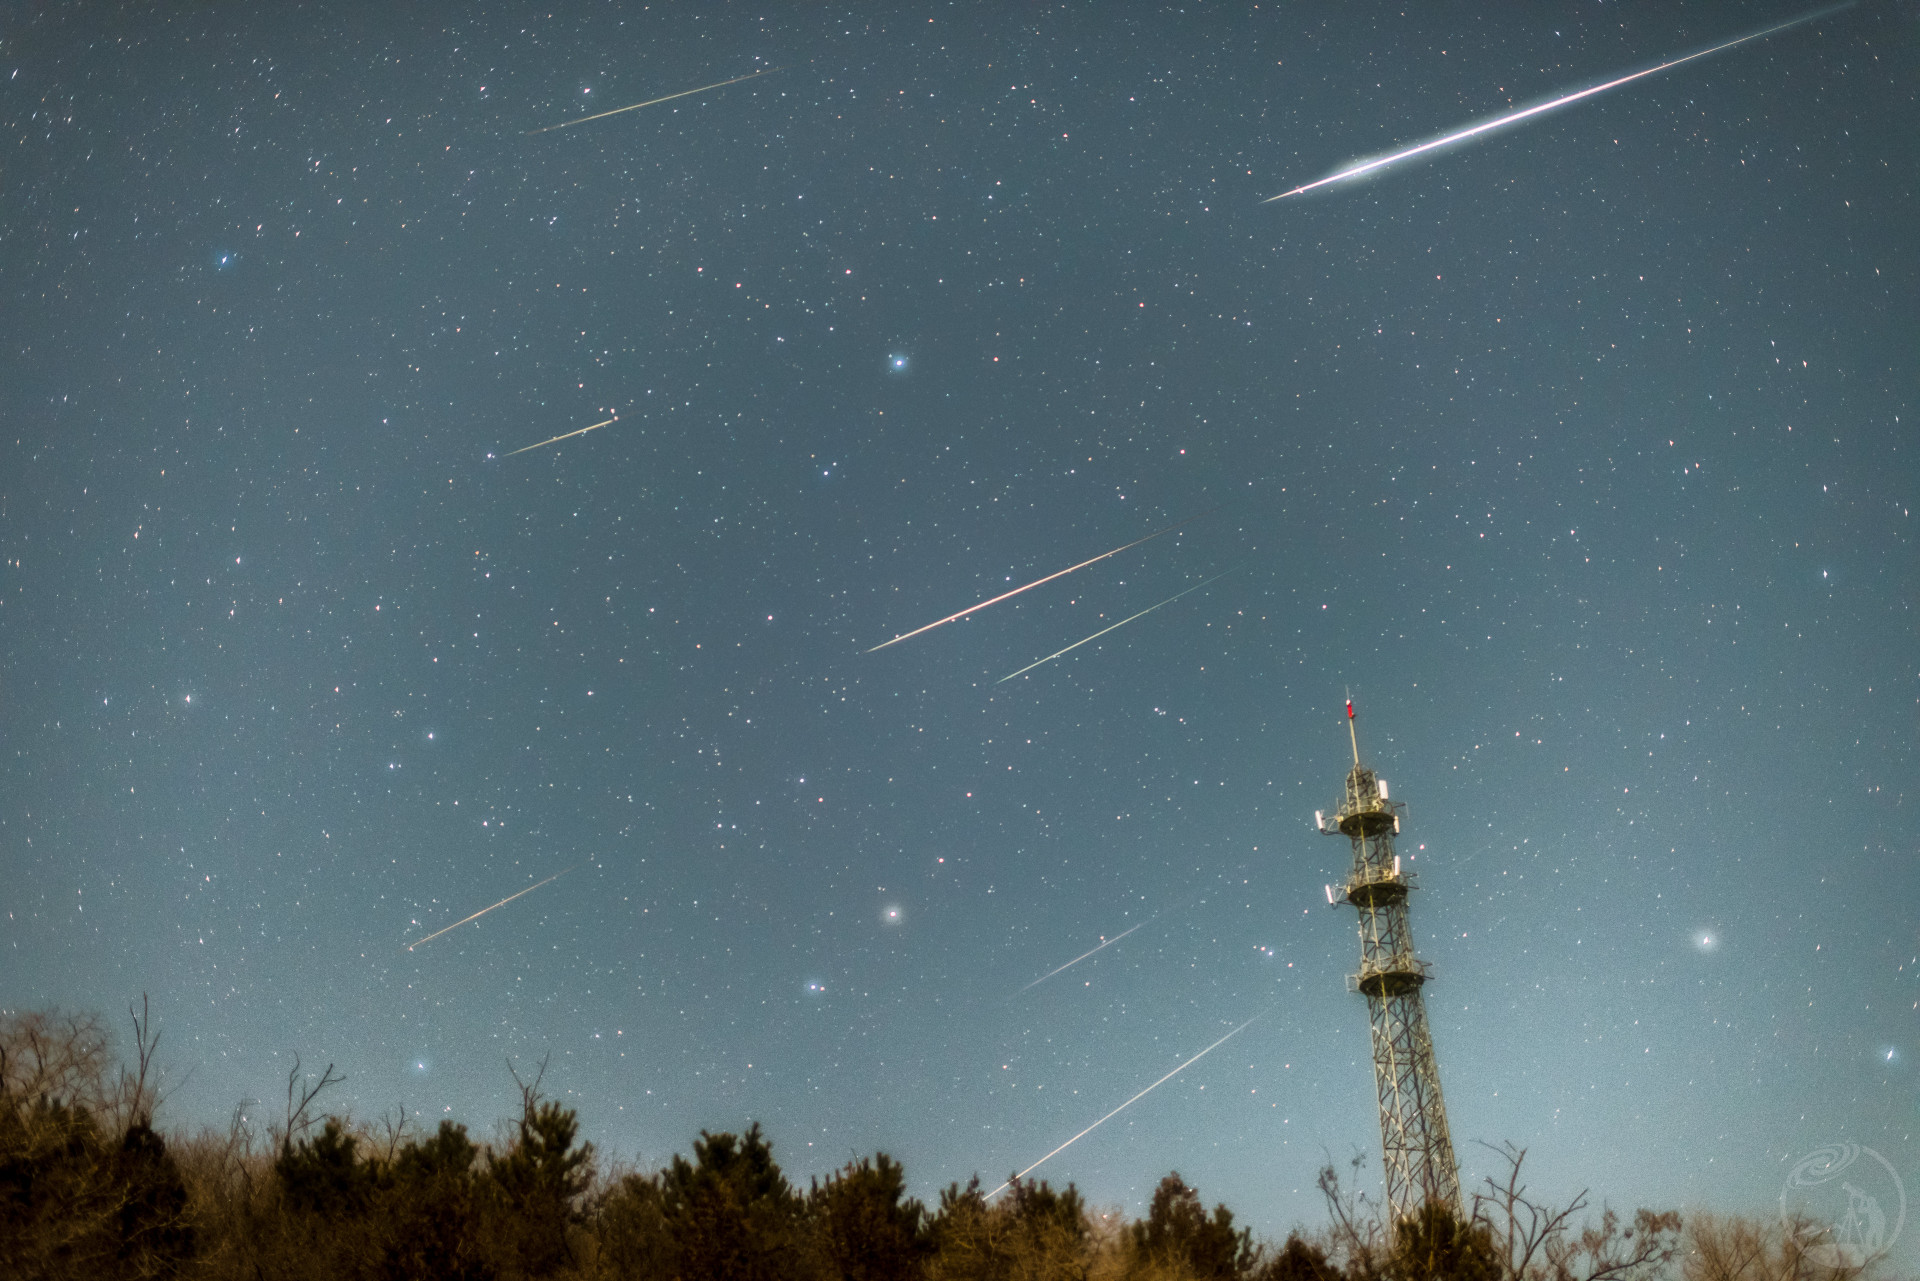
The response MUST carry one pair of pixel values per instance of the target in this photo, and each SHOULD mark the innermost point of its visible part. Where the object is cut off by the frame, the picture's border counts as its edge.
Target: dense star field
(1579, 453)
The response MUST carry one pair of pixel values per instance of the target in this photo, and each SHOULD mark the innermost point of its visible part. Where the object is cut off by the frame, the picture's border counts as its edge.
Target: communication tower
(1416, 1149)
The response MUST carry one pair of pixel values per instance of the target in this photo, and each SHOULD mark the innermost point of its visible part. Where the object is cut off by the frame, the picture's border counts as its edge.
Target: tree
(1032, 1234)
(731, 1213)
(964, 1235)
(154, 1237)
(867, 1230)
(631, 1230)
(1299, 1260)
(538, 1183)
(1437, 1244)
(1178, 1232)
(432, 1220)
(1536, 1242)
(86, 1185)
(1733, 1248)
(324, 1176)
(1357, 1239)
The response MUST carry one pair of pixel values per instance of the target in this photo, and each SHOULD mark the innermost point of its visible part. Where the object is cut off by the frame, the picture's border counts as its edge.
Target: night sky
(1581, 455)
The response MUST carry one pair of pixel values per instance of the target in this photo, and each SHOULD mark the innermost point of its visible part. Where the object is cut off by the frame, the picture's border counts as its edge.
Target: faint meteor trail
(1038, 581)
(1487, 126)
(1124, 1106)
(1206, 888)
(562, 436)
(483, 911)
(651, 101)
(1084, 955)
(1122, 623)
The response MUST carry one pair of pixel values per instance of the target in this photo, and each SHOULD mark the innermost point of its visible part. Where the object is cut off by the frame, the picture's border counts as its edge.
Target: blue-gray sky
(1581, 455)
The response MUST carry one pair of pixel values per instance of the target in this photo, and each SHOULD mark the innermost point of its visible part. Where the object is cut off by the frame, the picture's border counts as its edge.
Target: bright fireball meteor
(1061, 573)
(483, 911)
(1527, 113)
(562, 436)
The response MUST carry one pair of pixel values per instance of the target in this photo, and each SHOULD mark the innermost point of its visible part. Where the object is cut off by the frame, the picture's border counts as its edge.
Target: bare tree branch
(297, 1119)
(139, 1110)
(392, 1131)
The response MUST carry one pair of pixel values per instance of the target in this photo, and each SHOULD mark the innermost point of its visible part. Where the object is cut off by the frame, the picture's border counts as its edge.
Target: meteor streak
(1514, 117)
(483, 911)
(651, 101)
(1124, 1106)
(1038, 581)
(1206, 888)
(1083, 956)
(562, 436)
(1122, 623)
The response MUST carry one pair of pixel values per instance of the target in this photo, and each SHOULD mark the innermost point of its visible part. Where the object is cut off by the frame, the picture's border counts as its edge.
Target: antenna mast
(1415, 1146)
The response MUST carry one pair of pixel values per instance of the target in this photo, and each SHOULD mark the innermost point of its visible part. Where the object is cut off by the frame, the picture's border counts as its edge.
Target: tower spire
(1415, 1146)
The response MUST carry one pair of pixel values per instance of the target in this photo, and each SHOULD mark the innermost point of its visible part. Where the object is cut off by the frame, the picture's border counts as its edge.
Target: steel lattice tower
(1415, 1146)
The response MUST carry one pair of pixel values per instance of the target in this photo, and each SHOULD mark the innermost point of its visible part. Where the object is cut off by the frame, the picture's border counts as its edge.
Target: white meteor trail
(684, 93)
(1104, 630)
(1038, 581)
(1205, 888)
(483, 911)
(1124, 1106)
(1515, 117)
(1083, 956)
(562, 436)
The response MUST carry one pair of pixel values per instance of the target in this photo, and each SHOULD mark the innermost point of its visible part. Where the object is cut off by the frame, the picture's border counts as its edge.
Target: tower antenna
(1352, 736)
(1415, 1147)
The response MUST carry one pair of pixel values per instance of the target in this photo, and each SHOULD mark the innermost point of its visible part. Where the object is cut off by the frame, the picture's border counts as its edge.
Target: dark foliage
(1299, 1260)
(868, 1230)
(1031, 1231)
(631, 1227)
(539, 1181)
(76, 1202)
(325, 1176)
(731, 1214)
(1439, 1244)
(432, 1212)
(152, 1234)
(1177, 1231)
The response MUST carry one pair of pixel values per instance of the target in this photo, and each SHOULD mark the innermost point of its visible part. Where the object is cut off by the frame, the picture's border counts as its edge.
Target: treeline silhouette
(90, 1189)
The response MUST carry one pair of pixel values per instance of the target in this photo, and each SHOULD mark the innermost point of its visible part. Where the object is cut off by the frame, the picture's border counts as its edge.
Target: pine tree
(868, 1230)
(432, 1215)
(1177, 1231)
(732, 1214)
(537, 1185)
